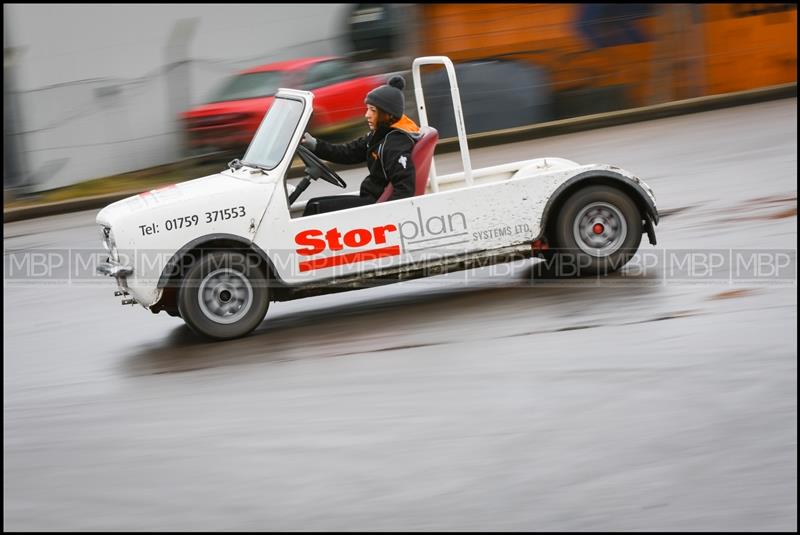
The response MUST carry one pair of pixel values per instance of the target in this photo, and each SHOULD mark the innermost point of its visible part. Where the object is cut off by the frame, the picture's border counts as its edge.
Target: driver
(386, 149)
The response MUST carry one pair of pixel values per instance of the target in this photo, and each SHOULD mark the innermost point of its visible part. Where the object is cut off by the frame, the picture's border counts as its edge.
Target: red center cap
(597, 228)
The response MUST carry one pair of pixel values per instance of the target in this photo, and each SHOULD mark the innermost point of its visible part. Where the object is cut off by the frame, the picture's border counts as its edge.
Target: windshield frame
(278, 97)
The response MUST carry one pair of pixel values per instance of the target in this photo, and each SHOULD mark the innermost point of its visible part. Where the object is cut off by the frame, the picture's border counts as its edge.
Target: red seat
(421, 155)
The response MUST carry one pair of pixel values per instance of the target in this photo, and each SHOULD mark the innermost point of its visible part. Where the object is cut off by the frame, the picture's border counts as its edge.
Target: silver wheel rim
(599, 229)
(225, 296)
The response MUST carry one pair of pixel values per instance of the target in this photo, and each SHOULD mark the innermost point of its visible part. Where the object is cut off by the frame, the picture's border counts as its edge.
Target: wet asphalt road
(635, 402)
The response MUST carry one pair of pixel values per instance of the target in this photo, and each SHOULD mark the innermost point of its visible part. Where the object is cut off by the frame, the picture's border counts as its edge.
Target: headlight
(108, 242)
(105, 236)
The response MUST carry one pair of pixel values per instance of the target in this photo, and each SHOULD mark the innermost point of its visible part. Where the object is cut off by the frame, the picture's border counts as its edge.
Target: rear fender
(633, 186)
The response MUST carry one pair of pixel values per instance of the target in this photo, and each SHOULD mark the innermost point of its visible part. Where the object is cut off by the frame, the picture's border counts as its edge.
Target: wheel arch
(602, 177)
(173, 271)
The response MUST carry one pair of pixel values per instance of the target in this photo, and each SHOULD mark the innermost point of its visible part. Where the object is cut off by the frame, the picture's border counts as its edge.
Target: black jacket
(387, 152)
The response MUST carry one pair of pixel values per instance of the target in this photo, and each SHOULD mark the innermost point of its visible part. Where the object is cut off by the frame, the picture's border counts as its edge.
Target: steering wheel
(316, 168)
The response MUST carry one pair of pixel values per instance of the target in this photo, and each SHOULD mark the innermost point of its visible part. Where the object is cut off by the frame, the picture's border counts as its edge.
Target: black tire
(597, 231)
(224, 295)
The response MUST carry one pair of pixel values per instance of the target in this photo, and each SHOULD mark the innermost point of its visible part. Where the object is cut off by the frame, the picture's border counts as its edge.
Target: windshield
(251, 85)
(273, 136)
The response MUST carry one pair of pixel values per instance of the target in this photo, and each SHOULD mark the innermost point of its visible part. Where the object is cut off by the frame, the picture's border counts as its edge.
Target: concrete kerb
(485, 139)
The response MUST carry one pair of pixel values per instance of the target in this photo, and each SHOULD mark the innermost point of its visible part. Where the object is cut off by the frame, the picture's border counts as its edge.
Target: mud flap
(649, 228)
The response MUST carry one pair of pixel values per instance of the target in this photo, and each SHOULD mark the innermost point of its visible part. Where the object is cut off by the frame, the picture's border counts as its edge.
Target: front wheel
(224, 295)
(598, 230)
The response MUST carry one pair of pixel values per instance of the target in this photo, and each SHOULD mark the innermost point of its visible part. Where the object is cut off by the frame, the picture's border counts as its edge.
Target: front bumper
(112, 268)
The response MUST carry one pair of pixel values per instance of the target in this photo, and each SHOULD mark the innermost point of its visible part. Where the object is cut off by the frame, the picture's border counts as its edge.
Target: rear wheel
(224, 295)
(598, 230)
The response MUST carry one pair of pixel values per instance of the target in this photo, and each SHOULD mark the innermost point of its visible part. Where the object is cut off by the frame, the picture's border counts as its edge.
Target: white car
(217, 250)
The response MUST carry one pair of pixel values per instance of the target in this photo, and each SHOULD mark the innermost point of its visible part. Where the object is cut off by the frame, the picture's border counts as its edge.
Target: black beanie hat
(389, 97)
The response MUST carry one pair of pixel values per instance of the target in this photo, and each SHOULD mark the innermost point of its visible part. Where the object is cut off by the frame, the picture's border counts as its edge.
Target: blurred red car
(231, 118)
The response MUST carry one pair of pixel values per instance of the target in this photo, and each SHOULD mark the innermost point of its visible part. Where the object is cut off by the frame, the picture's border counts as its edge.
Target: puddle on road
(791, 212)
(732, 294)
(765, 203)
(666, 212)
(773, 199)
(756, 209)
(672, 315)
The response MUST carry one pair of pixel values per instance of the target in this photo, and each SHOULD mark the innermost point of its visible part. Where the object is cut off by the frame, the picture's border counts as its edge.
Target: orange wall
(689, 51)
(746, 50)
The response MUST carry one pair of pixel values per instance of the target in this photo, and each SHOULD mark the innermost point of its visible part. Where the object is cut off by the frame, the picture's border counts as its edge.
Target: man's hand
(309, 142)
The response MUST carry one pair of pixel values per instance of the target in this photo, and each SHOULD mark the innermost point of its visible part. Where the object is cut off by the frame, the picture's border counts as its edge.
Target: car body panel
(438, 226)
(148, 228)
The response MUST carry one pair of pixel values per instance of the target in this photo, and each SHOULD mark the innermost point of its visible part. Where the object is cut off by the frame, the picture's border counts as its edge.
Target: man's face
(372, 116)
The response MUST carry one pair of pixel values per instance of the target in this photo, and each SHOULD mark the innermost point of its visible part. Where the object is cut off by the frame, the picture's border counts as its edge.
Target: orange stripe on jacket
(405, 124)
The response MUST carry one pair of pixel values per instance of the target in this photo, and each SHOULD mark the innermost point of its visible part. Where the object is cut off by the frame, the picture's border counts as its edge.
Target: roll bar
(459, 115)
